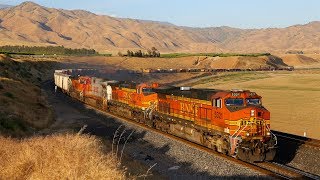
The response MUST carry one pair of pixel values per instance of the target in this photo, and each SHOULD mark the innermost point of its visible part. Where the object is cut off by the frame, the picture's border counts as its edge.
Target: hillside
(23, 105)
(298, 60)
(197, 62)
(39, 25)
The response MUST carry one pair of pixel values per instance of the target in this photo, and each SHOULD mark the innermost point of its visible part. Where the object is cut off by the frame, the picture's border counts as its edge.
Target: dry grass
(57, 157)
(300, 61)
(135, 63)
(222, 78)
(293, 98)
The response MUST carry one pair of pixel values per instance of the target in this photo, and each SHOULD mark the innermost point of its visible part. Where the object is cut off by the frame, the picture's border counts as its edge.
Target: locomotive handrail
(235, 131)
(275, 137)
(239, 131)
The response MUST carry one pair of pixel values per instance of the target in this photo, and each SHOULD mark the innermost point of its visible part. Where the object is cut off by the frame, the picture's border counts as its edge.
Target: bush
(11, 124)
(153, 52)
(49, 50)
(9, 95)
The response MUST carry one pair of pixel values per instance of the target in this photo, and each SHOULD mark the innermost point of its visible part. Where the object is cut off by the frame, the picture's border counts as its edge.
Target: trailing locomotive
(231, 122)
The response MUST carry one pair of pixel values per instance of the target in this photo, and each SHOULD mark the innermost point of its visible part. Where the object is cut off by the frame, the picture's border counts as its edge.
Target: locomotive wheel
(270, 154)
(243, 155)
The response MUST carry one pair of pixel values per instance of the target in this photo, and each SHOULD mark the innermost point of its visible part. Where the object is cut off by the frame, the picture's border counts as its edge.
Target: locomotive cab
(146, 89)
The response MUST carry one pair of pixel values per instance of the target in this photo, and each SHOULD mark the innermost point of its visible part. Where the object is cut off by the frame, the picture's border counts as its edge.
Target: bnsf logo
(126, 96)
(189, 108)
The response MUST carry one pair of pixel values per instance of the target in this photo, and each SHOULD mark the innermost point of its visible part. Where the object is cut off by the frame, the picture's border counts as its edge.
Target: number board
(235, 94)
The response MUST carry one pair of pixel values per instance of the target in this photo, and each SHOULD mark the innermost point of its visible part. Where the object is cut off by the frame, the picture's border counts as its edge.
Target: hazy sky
(200, 13)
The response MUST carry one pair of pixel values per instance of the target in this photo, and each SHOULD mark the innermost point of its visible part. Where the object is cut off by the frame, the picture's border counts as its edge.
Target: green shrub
(9, 95)
(49, 50)
(11, 124)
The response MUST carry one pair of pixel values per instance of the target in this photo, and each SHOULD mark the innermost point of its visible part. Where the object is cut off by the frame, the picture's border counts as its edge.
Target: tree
(138, 53)
(149, 53)
(155, 52)
(129, 53)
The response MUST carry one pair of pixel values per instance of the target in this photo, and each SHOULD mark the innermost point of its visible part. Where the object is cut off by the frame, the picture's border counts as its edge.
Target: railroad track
(314, 143)
(270, 169)
(291, 169)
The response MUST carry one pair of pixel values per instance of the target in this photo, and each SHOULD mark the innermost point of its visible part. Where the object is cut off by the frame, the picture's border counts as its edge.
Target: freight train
(232, 122)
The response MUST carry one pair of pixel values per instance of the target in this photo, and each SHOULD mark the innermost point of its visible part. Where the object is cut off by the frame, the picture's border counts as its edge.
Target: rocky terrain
(39, 25)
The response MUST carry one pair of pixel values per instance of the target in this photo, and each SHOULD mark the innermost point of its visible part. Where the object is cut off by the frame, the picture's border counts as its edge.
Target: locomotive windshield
(147, 90)
(234, 102)
(255, 101)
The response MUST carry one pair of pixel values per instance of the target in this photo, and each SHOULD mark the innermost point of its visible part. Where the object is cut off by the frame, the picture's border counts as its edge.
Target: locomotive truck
(232, 122)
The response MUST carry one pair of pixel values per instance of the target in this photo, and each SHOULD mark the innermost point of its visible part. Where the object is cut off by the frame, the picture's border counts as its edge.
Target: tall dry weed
(57, 157)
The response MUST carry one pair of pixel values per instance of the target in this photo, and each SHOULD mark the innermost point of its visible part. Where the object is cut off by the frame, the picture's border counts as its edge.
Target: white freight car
(62, 80)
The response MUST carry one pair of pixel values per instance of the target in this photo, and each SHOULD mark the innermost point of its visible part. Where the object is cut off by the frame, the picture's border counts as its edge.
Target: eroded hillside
(39, 25)
(23, 105)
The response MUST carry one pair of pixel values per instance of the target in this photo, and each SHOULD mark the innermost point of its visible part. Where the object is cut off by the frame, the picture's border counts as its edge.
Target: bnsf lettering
(126, 96)
(189, 108)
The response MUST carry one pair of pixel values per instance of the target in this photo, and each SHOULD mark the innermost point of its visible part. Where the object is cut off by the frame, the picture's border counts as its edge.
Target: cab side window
(217, 103)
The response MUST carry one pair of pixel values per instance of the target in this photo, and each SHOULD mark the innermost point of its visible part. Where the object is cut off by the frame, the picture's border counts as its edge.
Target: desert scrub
(68, 156)
(9, 95)
(12, 125)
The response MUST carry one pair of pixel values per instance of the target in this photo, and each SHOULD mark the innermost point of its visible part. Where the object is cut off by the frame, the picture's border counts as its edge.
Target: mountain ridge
(43, 26)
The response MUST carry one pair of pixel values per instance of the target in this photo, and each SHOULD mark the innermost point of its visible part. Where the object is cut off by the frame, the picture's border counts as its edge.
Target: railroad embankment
(23, 105)
(26, 116)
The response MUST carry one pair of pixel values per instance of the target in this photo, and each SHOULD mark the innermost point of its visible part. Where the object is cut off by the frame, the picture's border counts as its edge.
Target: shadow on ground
(287, 149)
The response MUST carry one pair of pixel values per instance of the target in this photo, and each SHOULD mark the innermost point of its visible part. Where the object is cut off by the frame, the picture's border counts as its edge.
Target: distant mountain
(2, 6)
(32, 24)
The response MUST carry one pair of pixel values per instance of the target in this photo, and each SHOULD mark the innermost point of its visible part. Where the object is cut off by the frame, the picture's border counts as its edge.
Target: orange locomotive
(231, 122)
(91, 90)
(134, 101)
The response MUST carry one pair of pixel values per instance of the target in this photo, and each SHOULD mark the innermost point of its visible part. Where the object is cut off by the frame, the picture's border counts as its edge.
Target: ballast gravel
(177, 160)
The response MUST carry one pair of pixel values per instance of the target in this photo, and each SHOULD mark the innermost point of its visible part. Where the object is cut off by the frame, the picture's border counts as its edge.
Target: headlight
(268, 133)
(252, 112)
